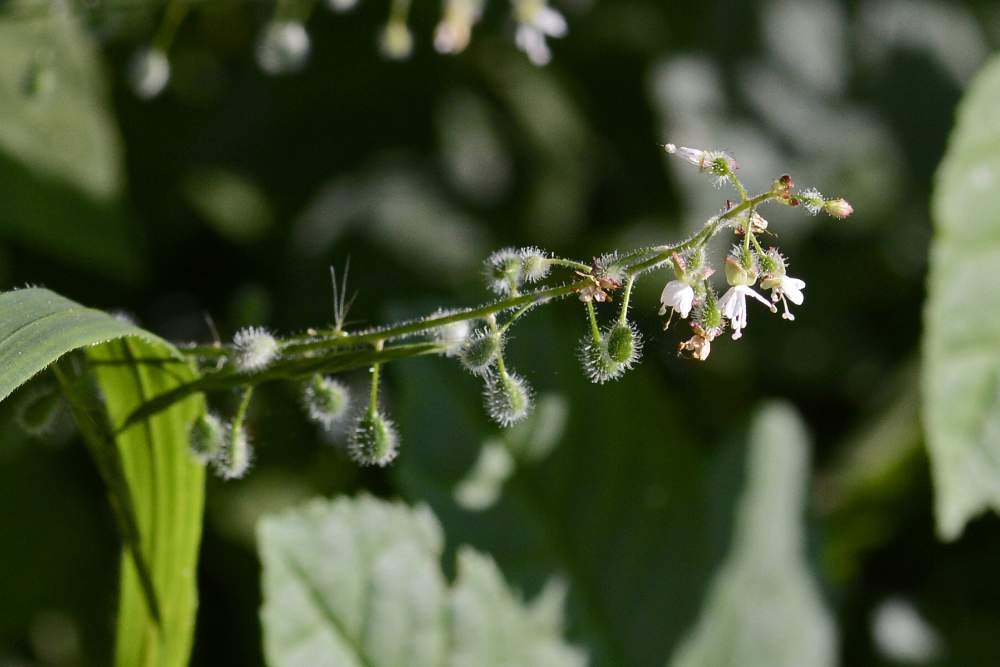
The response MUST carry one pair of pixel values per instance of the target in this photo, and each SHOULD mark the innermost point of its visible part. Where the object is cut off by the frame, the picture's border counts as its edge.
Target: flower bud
(507, 397)
(504, 271)
(373, 440)
(480, 351)
(206, 436)
(148, 72)
(236, 454)
(326, 400)
(283, 47)
(838, 208)
(396, 40)
(256, 348)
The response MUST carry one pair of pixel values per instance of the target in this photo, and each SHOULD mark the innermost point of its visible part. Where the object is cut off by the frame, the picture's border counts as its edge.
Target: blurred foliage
(358, 582)
(961, 353)
(233, 192)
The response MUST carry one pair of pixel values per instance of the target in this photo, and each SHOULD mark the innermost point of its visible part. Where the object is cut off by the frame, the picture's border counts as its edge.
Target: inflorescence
(283, 45)
(522, 279)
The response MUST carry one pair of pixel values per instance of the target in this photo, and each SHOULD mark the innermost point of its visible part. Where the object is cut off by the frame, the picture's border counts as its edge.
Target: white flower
(455, 28)
(734, 307)
(718, 163)
(678, 296)
(536, 20)
(149, 72)
(283, 47)
(788, 287)
(396, 40)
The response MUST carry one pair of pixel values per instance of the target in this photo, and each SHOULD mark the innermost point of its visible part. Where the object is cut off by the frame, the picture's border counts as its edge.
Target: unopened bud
(838, 208)
(206, 437)
(326, 400)
(373, 441)
(507, 397)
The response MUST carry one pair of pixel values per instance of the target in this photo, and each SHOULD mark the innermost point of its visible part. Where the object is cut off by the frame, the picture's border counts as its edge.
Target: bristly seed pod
(373, 440)
(326, 400)
(233, 460)
(206, 437)
(256, 348)
(507, 397)
(617, 352)
(534, 264)
(504, 271)
(481, 351)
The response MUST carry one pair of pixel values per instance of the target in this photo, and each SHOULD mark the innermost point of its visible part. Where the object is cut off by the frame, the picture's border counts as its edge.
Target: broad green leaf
(155, 487)
(764, 608)
(38, 326)
(358, 582)
(167, 492)
(60, 153)
(961, 347)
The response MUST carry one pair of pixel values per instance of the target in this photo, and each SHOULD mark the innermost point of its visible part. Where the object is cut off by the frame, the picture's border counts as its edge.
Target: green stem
(623, 316)
(241, 413)
(595, 331)
(172, 17)
(373, 398)
(579, 266)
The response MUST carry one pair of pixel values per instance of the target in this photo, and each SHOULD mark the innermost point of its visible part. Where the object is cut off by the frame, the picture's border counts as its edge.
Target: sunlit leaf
(764, 608)
(961, 378)
(155, 487)
(358, 582)
(167, 489)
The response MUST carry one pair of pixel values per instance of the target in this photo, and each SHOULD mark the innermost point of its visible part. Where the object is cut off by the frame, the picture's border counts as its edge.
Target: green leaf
(61, 171)
(38, 326)
(764, 608)
(167, 491)
(155, 487)
(358, 582)
(961, 347)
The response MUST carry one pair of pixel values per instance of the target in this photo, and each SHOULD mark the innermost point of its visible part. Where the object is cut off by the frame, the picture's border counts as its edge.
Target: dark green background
(634, 506)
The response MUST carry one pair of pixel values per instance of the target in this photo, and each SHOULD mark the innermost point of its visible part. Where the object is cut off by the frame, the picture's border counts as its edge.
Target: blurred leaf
(232, 205)
(167, 489)
(359, 582)
(764, 608)
(155, 487)
(60, 154)
(38, 326)
(961, 378)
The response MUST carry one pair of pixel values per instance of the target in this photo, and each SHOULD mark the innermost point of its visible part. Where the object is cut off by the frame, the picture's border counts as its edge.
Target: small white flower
(678, 296)
(283, 47)
(149, 72)
(455, 28)
(536, 20)
(396, 40)
(718, 163)
(734, 307)
(788, 287)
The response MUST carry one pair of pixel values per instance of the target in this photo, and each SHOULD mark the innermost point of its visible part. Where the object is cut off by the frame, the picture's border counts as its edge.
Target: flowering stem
(579, 266)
